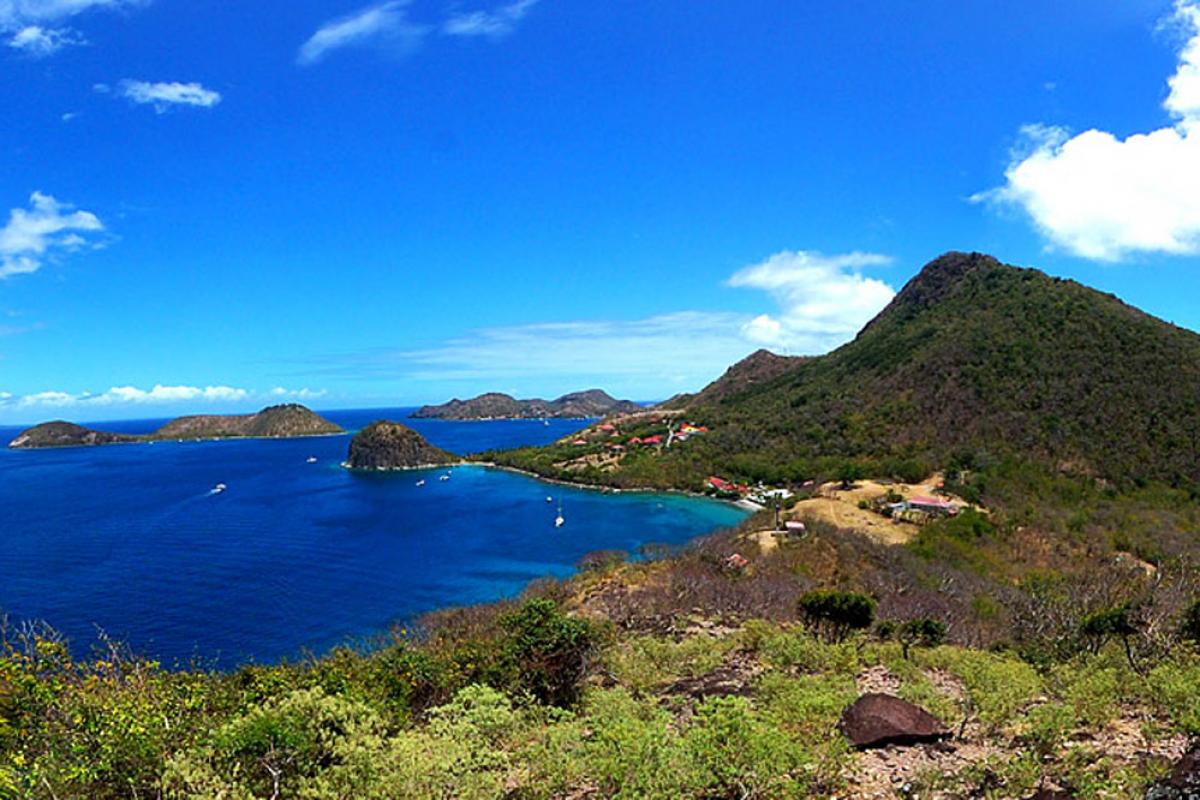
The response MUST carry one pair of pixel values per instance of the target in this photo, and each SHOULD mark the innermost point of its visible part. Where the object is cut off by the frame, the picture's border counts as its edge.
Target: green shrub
(632, 751)
(738, 754)
(1174, 687)
(833, 615)
(923, 632)
(1190, 629)
(550, 650)
(283, 748)
(998, 686)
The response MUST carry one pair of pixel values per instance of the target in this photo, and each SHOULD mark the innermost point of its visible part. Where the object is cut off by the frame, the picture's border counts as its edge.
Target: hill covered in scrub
(973, 359)
(386, 445)
(494, 405)
(272, 422)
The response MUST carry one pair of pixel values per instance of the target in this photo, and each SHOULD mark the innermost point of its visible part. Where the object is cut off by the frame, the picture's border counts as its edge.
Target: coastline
(743, 504)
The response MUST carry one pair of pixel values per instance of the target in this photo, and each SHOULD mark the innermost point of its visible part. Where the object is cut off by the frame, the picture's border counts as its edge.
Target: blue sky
(210, 206)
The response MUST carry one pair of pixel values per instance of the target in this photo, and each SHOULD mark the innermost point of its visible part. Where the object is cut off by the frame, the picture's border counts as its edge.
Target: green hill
(972, 359)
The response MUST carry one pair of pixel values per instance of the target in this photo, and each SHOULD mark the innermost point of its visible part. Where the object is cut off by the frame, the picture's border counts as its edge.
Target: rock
(1183, 782)
(878, 720)
(390, 445)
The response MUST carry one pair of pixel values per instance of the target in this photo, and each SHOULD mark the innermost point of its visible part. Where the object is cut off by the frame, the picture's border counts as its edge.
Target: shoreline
(744, 504)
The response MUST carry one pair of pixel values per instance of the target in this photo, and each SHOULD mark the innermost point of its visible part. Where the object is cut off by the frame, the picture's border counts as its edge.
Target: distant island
(494, 405)
(282, 421)
(387, 445)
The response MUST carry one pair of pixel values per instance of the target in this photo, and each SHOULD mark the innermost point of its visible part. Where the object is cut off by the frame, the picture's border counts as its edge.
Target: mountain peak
(940, 276)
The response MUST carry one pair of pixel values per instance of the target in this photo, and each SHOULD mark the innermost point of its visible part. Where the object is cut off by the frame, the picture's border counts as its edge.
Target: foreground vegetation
(547, 698)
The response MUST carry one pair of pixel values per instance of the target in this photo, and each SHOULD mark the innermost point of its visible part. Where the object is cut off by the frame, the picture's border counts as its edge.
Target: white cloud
(31, 26)
(18, 13)
(36, 41)
(48, 227)
(159, 394)
(165, 394)
(164, 95)
(686, 342)
(823, 300)
(383, 24)
(495, 24)
(281, 393)
(1102, 197)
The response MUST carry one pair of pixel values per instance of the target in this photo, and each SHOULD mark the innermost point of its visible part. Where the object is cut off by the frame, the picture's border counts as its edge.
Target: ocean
(293, 556)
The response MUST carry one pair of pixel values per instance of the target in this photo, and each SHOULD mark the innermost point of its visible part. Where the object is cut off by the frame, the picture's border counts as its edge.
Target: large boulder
(1183, 782)
(879, 720)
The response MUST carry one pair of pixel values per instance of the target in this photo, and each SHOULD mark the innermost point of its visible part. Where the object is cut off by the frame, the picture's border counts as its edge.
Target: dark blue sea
(292, 556)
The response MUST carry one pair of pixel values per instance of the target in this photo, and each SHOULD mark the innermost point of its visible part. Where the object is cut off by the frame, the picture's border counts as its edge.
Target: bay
(293, 556)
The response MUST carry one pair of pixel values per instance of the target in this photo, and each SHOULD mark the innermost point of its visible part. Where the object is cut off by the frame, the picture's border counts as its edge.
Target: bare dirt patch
(839, 507)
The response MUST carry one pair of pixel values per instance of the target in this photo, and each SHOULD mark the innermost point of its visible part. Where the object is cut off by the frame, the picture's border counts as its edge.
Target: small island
(385, 445)
(494, 405)
(275, 422)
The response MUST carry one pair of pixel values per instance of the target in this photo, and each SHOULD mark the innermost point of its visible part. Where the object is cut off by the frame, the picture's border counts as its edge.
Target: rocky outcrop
(494, 405)
(1184, 781)
(274, 422)
(390, 445)
(879, 720)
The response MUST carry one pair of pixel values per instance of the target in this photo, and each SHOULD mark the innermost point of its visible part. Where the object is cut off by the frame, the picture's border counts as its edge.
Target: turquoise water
(293, 555)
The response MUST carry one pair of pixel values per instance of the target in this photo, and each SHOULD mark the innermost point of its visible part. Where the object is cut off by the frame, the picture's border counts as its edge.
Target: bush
(925, 632)
(549, 649)
(1190, 629)
(283, 748)
(601, 560)
(739, 754)
(833, 615)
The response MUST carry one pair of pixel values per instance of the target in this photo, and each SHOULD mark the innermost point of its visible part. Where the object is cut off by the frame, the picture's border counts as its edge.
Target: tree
(850, 472)
(924, 631)
(1103, 625)
(834, 615)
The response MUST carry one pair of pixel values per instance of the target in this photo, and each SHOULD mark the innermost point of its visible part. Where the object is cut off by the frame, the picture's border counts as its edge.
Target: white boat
(546, 422)
(310, 460)
(421, 482)
(559, 521)
(444, 478)
(549, 499)
(220, 487)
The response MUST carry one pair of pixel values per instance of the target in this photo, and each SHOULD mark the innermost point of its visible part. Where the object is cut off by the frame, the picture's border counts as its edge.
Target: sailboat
(559, 520)
(421, 482)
